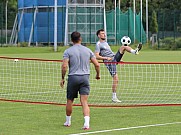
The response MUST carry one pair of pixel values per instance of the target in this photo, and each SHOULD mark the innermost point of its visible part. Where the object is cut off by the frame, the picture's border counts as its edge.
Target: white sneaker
(116, 100)
(85, 128)
(138, 48)
(67, 124)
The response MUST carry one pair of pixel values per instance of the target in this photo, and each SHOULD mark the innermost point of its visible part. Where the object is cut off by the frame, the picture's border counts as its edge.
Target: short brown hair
(75, 36)
(97, 33)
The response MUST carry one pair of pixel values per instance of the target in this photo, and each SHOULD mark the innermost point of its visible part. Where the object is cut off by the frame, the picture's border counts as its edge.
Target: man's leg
(114, 88)
(130, 50)
(122, 50)
(126, 48)
(68, 112)
(115, 83)
(69, 107)
(85, 110)
(113, 71)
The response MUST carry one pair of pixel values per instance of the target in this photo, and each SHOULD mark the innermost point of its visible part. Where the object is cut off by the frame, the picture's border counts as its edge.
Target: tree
(153, 23)
(109, 5)
(12, 11)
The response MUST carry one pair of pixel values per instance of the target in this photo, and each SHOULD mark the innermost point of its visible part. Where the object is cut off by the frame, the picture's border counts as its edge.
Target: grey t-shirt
(79, 59)
(104, 49)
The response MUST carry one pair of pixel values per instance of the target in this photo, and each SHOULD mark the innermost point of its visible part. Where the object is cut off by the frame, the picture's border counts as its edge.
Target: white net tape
(34, 80)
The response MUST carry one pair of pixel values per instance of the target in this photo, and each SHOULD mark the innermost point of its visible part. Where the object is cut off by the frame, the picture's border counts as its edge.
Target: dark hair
(97, 33)
(75, 36)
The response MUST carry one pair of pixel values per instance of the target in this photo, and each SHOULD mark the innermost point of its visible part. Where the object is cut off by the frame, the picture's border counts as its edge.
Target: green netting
(124, 26)
(169, 23)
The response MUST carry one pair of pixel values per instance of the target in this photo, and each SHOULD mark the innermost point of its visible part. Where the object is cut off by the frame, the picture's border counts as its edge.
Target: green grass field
(38, 119)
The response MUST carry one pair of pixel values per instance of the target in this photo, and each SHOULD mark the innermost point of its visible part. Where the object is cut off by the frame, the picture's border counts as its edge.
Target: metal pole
(55, 26)
(134, 18)
(62, 23)
(141, 9)
(6, 21)
(75, 17)
(90, 25)
(1, 24)
(147, 20)
(158, 32)
(115, 20)
(105, 28)
(141, 16)
(48, 26)
(66, 25)
(128, 21)
(33, 24)
(119, 29)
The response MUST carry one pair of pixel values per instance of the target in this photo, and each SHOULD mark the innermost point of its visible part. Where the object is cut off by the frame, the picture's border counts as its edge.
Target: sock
(133, 51)
(87, 120)
(68, 119)
(114, 95)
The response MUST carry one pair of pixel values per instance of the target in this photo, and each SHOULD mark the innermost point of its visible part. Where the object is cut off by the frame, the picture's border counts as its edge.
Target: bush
(170, 44)
(178, 43)
(23, 44)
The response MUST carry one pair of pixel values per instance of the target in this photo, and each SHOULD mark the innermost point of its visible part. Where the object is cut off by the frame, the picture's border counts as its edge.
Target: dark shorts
(112, 66)
(77, 83)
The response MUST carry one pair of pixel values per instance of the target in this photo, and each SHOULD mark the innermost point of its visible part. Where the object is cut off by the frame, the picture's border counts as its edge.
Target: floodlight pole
(55, 26)
(66, 25)
(147, 20)
(115, 20)
(105, 25)
(141, 18)
(134, 11)
(119, 16)
(6, 21)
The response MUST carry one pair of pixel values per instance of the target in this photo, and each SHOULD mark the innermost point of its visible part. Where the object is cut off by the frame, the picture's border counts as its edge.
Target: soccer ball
(16, 60)
(125, 41)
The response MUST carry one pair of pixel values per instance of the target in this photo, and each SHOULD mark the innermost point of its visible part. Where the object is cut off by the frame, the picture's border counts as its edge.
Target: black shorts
(112, 66)
(77, 83)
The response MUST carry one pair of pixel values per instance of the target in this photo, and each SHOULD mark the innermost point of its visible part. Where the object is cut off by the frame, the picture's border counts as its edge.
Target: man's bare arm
(97, 67)
(100, 57)
(64, 70)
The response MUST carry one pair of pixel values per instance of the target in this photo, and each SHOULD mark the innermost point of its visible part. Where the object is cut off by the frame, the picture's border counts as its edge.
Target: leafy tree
(109, 5)
(154, 24)
(11, 10)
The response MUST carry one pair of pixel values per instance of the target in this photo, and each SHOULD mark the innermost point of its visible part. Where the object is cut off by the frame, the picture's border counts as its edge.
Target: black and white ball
(16, 60)
(125, 41)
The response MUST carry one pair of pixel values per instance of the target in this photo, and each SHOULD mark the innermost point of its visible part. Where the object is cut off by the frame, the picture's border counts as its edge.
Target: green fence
(1, 23)
(169, 24)
(169, 29)
(124, 26)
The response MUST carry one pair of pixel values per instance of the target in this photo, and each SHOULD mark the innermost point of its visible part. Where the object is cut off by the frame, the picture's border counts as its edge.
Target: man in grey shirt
(78, 58)
(104, 52)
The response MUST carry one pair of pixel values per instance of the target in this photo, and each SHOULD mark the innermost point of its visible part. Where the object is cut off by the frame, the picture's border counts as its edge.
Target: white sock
(133, 51)
(87, 120)
(68, 119)
(114, 95)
